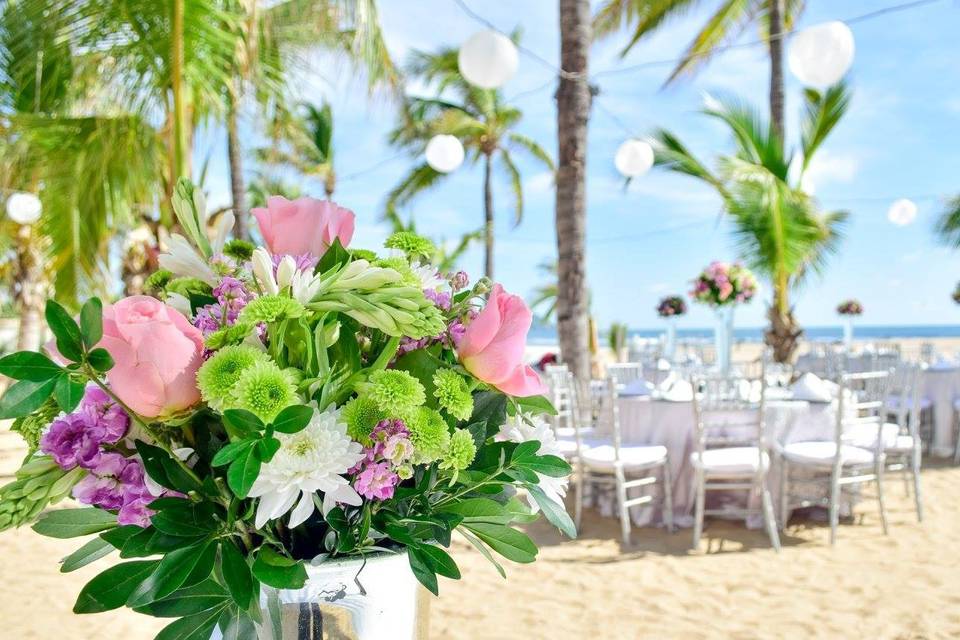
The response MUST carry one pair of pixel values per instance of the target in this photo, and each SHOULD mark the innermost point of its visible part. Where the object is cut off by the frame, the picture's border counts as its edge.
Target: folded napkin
(636, 388)
(812, 389)
(680, 391)
(663, 365)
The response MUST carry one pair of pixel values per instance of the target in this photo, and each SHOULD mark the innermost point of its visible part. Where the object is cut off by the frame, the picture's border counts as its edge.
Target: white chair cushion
(570, 433)
(823, 453)
(730, 460)
(603, 457)
(865, 435)
(902, 444)
(568, 446)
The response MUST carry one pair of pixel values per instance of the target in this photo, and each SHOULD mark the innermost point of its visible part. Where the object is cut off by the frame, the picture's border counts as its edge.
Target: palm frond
(756, 140)
(516, 185)
(643, 16)
(822, 112)
(723, 26)
(672, 154)
(420, 178)
(947, 226)
(533, 148)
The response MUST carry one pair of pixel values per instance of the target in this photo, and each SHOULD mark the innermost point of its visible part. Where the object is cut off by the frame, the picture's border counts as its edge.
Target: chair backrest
(728, 411)
(903, 395)
(609, 409)
(558, 381)
(625, 372)
(861, 406)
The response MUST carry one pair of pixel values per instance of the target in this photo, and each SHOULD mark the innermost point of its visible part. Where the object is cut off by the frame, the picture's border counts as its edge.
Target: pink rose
(304, 225)
(156, 352)
(492, 345)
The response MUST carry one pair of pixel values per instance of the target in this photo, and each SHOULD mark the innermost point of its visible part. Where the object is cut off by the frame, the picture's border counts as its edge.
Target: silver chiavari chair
(730, 447)
(903, 447)
(625, 372)
(861, 412)
(624, 467)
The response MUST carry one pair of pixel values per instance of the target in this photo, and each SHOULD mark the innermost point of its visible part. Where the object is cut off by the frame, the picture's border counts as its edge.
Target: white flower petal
(179, 302)
(302, 511)
(183, 260)
(222, 229)
(263, 271)
(285, 271)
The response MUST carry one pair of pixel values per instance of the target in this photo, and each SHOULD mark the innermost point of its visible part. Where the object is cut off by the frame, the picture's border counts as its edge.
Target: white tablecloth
(644, 420)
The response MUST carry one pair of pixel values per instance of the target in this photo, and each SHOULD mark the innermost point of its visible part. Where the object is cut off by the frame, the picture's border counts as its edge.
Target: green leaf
(92, 551)
(423, 571)
(490, 408)
(438, 560)
(482, 548)
(29, 365)
(334, 256)
(91, 322)
(510, 543)
(236, 624)
(120, 536)
(110, 589)
(25, 397)
(548, 465)
(196, 627)
(191, 600)
(278, 571)
(71, 523)
(242, 421)
(236, 573)
(267, 448)
(554, 512)
(243, 473)
(293, 418)
(190, 520)
(536, 405)
(100, 359)
(172, 572)
(68, 392)
(231, 452)
(152, 458)
(479, 510)
(65, 330)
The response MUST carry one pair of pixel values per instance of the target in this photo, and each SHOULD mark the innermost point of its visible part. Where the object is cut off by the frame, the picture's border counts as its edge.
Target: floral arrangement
(271, 406)
(850, 308)
(722, 284)
(671, 306)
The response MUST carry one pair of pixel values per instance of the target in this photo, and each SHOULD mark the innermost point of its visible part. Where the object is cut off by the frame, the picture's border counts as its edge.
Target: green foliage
(39, 483)
(70, 523)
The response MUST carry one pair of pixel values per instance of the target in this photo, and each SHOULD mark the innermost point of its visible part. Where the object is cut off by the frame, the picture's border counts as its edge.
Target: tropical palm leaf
(947, 226)
(822, 112)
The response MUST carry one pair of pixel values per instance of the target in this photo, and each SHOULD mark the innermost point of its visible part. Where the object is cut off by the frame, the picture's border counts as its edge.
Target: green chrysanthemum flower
(452, 393)
(219, 375)
(158, 281)
(270, 308)
(232, 335)
(396, 392)
(363, 254)
(263, 389)
(410, 243)
(429, 435)
(401, 266)
(361, 415)
(239, 250)
(460, 451)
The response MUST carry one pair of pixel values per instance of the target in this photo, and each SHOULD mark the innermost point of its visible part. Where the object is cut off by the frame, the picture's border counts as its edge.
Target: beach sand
(905, 585)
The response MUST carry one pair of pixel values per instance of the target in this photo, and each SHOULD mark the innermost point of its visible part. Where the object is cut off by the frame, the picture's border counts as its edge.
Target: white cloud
(538, 184)
(829, 167)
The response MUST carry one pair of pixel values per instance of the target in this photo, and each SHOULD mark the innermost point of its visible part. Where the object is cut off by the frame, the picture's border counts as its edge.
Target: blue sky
(899, 139)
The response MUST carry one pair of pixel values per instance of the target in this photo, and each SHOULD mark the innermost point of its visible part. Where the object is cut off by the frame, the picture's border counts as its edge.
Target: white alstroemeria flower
(183, 259)
(360, 274)
(263, 271)
(429, 276)
(304, 285)
(520, 430)
(308, 461)
(179, 302)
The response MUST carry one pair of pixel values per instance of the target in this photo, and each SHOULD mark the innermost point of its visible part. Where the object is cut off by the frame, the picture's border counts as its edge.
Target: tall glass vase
(723, 338)
(670, 340)
(848, 333)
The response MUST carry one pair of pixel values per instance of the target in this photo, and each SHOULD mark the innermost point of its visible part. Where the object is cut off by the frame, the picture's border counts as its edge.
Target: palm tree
(773, 17)
(947, 226)
(482, 122)
(574, 325)
(446, 257)
(305, 144)
(779, 229)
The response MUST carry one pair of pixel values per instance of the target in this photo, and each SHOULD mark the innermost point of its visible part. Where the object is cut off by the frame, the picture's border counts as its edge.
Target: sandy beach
(905, 585)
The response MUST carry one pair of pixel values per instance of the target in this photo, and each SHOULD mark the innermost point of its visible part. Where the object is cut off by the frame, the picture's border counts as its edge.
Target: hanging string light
(634, 158)
(902, 212)
(444, 153)
(24, 208)
(488, 59)
(822, 54)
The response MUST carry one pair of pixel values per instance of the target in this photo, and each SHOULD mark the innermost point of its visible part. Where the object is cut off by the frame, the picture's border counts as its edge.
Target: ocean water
(543, 334)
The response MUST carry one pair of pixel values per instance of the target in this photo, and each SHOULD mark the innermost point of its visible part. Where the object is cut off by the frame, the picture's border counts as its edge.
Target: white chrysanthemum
(429, 277)
(308, 461)
(521, 430)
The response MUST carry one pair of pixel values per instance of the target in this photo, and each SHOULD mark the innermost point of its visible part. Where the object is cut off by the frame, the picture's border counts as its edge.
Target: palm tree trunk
(178, 159)
(784, 333)
(776, 67)
(240, 228)
(488, 214)
(573, 113)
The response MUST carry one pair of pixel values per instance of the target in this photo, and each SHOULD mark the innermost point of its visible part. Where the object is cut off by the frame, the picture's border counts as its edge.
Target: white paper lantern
(902, 212)
(24, 208)
(821, 55)
(634, 158)
(488, 59)
(444, 153)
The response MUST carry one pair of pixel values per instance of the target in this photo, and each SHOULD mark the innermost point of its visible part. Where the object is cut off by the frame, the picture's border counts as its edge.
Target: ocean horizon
(547, 334)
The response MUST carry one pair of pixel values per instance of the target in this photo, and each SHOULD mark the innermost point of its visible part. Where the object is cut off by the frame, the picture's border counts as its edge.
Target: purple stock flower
(439, 298)
(103, 487)
(73, 440)
(377, 481)
(459, 280)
